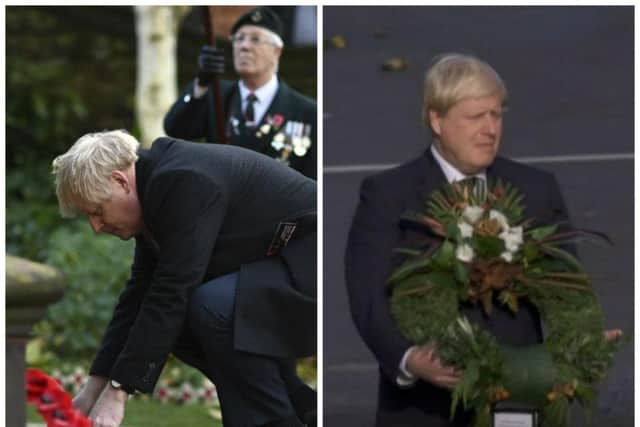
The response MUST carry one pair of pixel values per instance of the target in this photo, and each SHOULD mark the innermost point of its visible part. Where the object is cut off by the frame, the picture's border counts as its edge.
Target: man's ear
(121, 179)
(434, 121)
(278, 53)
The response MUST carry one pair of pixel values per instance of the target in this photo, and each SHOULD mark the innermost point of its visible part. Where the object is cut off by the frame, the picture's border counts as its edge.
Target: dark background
(569, 72)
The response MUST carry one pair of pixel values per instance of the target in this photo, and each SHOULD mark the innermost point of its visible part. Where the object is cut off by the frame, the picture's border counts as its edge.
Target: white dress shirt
(264, 95)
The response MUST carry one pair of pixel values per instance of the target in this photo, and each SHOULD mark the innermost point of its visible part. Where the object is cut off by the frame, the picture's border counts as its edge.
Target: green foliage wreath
(485, 250)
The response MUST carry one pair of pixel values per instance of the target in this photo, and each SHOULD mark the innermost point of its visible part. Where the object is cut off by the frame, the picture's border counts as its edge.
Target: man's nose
(245, 43)
(96, 224)
(491, 124)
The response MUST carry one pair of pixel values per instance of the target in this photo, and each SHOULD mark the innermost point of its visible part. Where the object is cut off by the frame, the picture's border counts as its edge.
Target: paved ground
(570, 75)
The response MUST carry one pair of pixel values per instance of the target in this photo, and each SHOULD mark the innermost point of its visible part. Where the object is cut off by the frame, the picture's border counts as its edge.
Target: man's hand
(89, 394)
(109, 409)
(612, 335)
(424, 364)
(210, 64)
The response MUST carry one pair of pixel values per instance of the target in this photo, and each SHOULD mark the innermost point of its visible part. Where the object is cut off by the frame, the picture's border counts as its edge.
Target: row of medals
(295, 137)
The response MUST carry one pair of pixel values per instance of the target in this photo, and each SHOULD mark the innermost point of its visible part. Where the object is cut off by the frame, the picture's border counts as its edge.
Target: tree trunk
(156, 84)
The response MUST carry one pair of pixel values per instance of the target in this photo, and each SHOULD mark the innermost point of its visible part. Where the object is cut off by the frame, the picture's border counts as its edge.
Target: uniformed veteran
(224, 272)
(261, 112)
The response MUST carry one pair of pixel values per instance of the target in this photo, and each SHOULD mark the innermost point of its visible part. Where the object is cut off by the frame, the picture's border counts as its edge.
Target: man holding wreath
(464, 103)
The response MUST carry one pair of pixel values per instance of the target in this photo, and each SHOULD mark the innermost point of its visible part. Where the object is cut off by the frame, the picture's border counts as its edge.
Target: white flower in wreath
(512, 238)
(499, 216)
(465, 253)
(466, 230)
(472, 213)
(507, 256)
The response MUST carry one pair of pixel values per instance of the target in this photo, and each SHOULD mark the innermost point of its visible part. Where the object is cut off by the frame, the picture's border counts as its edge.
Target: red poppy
(52, 402)
(278, 120)
(37, 383)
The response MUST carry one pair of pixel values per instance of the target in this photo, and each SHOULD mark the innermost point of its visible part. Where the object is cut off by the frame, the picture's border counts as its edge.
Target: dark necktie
(477, 184)
(248, 112)
(471, 181)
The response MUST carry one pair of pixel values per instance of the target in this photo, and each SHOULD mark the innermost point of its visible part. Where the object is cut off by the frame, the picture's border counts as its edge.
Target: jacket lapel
(428, 176)
(279, 103)
(233, 107)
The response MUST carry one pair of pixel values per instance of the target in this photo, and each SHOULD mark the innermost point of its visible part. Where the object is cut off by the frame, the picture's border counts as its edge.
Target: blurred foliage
(64, 77)
(96, 267)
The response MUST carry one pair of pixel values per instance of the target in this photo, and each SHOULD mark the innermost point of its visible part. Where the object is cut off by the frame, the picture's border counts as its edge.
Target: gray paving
(570, 75)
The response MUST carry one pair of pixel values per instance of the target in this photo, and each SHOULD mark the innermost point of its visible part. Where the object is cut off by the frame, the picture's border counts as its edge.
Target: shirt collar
(451, 172)
(264, 93)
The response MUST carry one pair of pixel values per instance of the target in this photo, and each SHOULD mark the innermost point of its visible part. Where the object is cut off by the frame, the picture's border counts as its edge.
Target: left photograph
(161, 222)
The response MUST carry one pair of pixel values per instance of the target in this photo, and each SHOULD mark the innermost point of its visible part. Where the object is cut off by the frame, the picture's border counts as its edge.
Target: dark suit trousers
(422, 404)
(252, 388)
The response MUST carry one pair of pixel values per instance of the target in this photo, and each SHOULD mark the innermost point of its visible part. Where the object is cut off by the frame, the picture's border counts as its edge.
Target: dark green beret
(260, 17)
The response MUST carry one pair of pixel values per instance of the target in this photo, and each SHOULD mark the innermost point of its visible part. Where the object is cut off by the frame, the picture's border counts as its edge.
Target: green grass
(139, 413)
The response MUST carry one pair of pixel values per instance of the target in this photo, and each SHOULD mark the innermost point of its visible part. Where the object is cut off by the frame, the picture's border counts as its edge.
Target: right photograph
(478, 234)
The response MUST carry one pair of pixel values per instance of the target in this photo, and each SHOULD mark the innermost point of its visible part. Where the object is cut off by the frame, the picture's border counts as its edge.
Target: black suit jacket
(210, 210)
(192, 119)
(376, 231)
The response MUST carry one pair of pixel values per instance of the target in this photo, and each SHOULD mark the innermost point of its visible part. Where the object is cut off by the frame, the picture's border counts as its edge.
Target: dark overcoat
(377, 230)
(210, 210)
(192, 119)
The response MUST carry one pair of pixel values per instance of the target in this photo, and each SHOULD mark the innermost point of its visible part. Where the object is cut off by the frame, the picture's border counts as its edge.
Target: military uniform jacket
(289, 112)
(376, 230)
(210, 210)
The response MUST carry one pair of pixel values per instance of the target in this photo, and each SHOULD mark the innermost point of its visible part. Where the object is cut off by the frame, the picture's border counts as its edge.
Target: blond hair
(83, 173)
(454, 77)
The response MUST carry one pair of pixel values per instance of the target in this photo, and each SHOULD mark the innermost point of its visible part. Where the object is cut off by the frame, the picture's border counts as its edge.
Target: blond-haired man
(464, 103)
(225, 256)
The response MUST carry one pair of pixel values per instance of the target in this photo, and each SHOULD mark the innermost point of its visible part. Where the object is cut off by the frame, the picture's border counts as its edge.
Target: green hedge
(96, 268)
